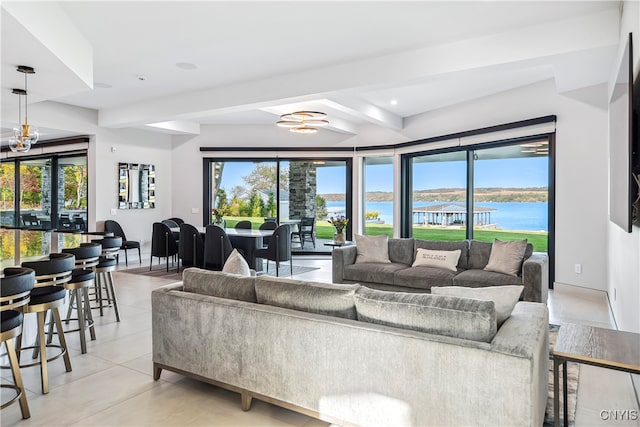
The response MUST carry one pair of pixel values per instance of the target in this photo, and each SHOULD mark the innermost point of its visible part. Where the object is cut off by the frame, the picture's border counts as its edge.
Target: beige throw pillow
(439, 259)
(372, 248)
(236, 264)
(506, 257)
(504, 297)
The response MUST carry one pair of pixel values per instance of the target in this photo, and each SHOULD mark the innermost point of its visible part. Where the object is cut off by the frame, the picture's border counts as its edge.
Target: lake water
(507, 216)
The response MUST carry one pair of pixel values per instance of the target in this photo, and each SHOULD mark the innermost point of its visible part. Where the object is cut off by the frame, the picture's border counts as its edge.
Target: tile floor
(112, 383)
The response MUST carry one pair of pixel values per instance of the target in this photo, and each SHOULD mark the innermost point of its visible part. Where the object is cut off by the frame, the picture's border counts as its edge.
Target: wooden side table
(606, 348)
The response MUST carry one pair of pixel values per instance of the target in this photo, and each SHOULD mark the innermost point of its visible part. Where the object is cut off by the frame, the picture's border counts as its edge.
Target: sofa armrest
(342, 256)
(535, 278)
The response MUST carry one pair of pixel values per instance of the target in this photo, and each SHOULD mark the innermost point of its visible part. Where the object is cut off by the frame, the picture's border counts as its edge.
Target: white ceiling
(256, 60)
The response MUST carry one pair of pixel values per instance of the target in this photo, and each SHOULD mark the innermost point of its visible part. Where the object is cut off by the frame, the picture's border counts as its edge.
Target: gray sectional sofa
(399, 275)
(351, 355)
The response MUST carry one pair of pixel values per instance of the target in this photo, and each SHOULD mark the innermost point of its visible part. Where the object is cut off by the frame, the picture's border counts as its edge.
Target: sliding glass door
(283, 190)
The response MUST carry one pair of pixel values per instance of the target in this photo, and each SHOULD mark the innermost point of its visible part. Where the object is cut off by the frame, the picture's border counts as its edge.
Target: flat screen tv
(623, 189)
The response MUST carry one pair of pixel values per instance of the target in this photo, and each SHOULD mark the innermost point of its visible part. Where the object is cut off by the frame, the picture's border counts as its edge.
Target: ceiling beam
(365, 111)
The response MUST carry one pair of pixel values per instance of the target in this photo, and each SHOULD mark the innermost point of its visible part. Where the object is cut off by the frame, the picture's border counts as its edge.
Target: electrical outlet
(577, 268)
(195, 210)
(114, 211)
(615, 294)
(141, 242)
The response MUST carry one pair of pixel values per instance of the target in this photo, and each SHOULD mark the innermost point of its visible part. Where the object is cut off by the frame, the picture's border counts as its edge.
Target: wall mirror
(136, 186)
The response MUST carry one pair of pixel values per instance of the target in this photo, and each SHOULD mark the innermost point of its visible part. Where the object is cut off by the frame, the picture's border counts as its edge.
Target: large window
(439, 196)
(378, 195)
(41, 194)
(500, 192)
(286, 190)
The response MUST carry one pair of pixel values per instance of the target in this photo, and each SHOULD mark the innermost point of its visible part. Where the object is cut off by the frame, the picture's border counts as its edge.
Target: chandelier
(303, 121)
(24, 136)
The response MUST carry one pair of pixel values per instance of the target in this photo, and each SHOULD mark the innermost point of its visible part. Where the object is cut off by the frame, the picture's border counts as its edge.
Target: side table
(606, 348)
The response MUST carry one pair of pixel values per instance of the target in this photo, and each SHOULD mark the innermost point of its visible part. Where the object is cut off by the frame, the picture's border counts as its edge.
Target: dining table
(246, 240)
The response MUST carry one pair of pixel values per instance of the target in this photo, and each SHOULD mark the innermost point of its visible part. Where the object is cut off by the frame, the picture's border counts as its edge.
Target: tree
(216, 178)
(271, 208)
(221, 202)
(321, 207)
(264, 177)
(256, 205)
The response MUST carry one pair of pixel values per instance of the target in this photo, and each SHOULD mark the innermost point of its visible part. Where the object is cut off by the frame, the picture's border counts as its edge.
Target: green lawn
(324, 230)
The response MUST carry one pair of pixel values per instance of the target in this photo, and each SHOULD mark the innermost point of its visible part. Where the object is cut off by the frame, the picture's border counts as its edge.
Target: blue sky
(518, 173)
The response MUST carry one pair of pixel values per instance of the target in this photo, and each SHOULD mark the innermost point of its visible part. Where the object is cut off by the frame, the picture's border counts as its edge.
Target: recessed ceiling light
(394, 102)
(102, 85)
(186, 66)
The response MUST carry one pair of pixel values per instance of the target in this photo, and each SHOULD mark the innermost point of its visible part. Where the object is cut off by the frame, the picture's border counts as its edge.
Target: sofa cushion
(504, 297)
(439, 259)
(435, 314)
(401, 250)
(372, 248)
(219, 284)
(236, 264)
(479, 253)
(372, 272)
(462, 245)
(322, 298)
(507, 257)
(482, 278)
(423, 277)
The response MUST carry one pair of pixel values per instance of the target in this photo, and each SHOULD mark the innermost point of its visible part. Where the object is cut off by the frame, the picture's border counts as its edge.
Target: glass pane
(378, 196)
(8, 193)
(35, 193)
(72, 193)
(511, 192)
(439, 196)
(243, 191)
(331, 198)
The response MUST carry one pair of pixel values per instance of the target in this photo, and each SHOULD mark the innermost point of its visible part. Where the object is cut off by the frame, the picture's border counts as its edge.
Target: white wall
(623, 255)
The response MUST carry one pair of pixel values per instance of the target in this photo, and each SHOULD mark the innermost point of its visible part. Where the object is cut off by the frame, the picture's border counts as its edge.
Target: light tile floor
(112, 384)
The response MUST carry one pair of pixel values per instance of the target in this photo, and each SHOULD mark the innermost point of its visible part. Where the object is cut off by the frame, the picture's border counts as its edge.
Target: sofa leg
(156, 372)
(245, 398)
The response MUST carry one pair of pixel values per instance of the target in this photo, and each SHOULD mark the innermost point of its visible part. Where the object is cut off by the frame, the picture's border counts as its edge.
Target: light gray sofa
(303, 348)
(398, 275)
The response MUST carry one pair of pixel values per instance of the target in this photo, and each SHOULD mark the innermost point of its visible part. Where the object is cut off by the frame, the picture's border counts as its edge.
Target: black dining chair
(217, 247)
(306, 231)
(163, 243)
(190, 247)
(174, 226)
(178, 221)
(115, 228)
(279, 248)
(15, 293)
(267, 225)
(244, 225)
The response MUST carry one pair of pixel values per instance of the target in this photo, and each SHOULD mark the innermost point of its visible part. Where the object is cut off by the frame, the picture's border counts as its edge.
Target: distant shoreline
(496, 195)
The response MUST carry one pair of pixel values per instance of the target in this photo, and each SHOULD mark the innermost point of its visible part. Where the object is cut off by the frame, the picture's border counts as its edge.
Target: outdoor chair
(306, 231)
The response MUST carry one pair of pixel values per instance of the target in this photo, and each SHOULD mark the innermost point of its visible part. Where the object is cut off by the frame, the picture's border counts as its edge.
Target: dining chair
(279, 248)
(190, 247)
(163, 243)
(48, 295)
(306, 231)
(217, 247)
(15, 293)
(115, 228)
(267, 225)
(178, 221)
(244, 225)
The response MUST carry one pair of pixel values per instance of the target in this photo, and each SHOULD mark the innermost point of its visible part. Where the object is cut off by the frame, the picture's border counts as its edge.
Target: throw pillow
(236, 264)
(372, 248)
(504, 297)
(465, 318)
(507, 257)
(439, 259)
(219, 284)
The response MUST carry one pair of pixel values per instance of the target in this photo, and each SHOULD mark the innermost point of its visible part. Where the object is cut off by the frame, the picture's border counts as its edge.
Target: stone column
(302, 190)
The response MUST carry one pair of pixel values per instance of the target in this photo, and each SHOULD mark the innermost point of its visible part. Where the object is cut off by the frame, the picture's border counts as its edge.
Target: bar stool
(107, 264)
(48, 294)
(15, 293)
(82, 278)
